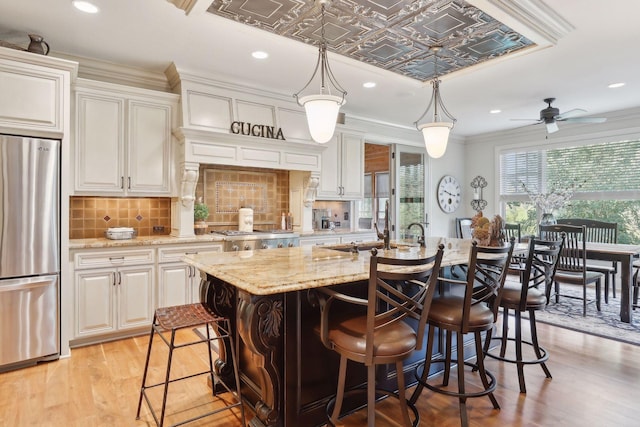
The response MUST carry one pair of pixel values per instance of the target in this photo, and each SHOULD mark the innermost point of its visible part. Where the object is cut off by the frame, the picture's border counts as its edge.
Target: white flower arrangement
(554, 199)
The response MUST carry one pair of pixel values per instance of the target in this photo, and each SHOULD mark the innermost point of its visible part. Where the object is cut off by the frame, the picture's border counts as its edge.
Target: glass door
(410, 186)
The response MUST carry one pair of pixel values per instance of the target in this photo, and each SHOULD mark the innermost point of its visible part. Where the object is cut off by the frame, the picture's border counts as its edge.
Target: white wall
(452, 163)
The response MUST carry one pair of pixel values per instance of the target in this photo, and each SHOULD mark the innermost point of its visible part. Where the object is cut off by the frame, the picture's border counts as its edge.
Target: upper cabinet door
(35, 90)
(149, 145)
(352, 166)
(123, 141)
(342, 168)
(330, 182)
(99, 143)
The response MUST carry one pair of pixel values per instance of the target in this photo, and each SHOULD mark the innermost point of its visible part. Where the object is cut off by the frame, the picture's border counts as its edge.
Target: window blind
(606, 167)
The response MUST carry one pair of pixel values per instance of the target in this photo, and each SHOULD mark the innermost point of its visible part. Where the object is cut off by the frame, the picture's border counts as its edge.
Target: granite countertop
(101, 242)
(142, 241)
(272, 271)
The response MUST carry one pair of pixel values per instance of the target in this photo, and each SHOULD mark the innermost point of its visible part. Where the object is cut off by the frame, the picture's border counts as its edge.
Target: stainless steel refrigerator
(29, 250)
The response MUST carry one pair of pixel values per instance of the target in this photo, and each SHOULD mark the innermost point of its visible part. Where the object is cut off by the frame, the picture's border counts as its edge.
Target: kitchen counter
(266, 272)
(142, 241)
(102, 242)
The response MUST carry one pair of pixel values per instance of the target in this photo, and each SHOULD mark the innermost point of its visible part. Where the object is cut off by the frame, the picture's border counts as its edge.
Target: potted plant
(200, 214)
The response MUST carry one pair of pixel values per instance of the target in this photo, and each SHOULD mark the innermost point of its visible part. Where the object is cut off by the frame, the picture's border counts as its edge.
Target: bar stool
(530, 295)
(179, 317)
(467, 306)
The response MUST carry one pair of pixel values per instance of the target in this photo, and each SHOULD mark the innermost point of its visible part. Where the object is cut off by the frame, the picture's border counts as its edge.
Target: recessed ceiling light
(85, 6)
(369, 85)
(615, 85)
(258, 54)
(496, 111)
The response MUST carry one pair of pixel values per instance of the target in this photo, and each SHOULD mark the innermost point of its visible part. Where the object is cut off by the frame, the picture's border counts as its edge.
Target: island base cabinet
(287, 375)
(111, 300)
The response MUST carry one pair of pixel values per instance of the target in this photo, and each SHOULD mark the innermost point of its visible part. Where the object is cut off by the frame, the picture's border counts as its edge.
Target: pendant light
(322, 109)
(436, 133)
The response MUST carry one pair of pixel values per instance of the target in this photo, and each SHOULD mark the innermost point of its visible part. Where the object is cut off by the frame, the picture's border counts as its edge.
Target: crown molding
(531, 18)
(95, 69)
(186, 5)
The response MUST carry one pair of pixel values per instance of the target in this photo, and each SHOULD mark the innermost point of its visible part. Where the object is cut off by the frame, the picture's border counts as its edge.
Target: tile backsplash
(91, 216)
(227, 189)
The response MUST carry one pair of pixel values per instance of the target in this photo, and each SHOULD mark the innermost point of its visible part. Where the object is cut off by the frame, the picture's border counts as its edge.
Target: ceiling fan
(551, 115)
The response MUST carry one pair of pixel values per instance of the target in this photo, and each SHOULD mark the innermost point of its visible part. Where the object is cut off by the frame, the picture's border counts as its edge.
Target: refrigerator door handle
(9, 285)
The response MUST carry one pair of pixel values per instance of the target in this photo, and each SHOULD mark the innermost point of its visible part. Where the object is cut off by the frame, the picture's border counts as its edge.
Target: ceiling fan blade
(586, 119)
(552, 127)
(570, 113)
(527, 120)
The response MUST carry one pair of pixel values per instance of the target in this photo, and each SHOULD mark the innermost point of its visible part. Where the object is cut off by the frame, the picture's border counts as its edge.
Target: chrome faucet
(385, 233)
(421, 239)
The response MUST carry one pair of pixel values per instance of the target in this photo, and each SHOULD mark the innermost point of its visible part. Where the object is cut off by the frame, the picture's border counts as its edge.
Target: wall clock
(449, 194)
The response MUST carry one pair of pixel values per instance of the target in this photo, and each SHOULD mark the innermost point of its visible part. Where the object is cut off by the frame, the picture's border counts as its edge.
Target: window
(376, 193)
(609, 177)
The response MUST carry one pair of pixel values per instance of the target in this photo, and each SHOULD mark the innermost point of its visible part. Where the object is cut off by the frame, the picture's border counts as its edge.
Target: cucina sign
(262, 131)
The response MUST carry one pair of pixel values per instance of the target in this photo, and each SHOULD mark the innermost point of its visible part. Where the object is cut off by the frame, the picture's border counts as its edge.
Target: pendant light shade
(436, 133)
(436, 136)
(322, 109)
(322, 115)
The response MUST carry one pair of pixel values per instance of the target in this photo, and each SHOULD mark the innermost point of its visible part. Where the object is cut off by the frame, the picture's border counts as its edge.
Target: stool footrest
(542, 359)
(490, 389)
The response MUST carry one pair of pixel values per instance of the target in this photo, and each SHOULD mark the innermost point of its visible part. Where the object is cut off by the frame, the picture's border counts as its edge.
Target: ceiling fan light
(322, 114)
(436, 136)
(552, 127)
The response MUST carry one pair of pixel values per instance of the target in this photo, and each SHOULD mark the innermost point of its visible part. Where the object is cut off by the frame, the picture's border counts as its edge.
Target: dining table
(625, 255)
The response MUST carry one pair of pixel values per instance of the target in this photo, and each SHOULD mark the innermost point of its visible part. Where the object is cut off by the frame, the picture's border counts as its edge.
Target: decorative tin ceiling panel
(391, 34)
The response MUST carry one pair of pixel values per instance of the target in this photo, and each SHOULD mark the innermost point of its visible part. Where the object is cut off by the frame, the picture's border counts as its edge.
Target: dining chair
(463, 228)
(400, 291)
(529, 295)
(517, 263)
(572, 266)
(635, 284)
(600, 232)
(466, 306)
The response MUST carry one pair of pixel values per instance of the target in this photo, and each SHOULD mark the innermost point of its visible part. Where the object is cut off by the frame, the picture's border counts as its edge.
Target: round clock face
(448, 194)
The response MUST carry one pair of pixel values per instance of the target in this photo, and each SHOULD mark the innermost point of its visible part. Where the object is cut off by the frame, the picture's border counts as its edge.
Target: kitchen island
(287, 375)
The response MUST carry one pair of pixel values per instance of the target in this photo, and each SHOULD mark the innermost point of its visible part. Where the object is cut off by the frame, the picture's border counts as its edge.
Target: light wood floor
(596, 382)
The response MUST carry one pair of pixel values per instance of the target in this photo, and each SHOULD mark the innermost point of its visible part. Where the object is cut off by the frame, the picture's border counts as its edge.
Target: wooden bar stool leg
(211, 375)
(519, 357)
(427, 366)
(534, 341)
(447, 366)
(464, 418)
(146, 368)
(505, 332)
(166, 383)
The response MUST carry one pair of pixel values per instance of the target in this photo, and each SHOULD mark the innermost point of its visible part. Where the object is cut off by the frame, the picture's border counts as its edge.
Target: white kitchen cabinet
(35, 93)
(358, 237)
(342, 168)
(336, 239)
(122, 140)
(319, 240)
(179, 283)
(114, 291)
